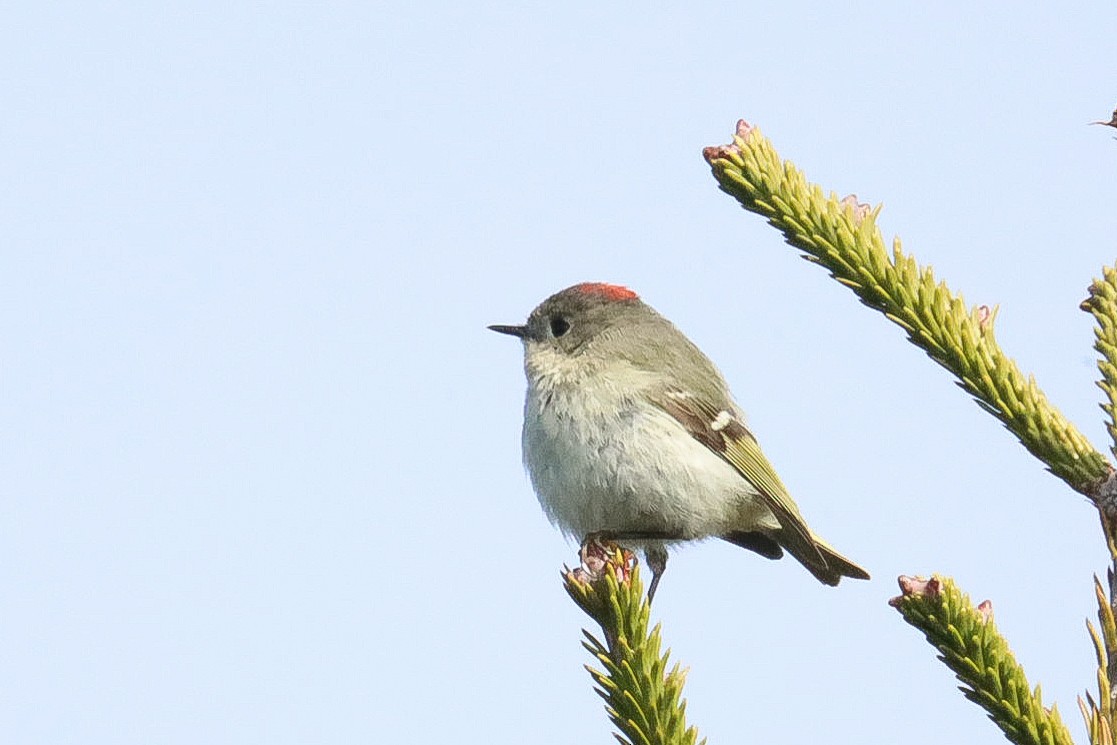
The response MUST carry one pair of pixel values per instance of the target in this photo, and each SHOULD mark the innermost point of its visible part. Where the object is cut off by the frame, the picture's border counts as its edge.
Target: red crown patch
(606, 291)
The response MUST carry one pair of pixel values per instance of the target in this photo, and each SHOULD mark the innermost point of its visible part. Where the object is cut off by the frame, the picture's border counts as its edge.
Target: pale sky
(260, 457)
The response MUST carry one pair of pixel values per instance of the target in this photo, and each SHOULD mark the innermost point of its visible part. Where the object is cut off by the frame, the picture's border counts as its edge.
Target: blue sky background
(260, 459)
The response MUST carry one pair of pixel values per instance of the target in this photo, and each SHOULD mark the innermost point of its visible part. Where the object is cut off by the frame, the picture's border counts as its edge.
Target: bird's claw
(598, 554)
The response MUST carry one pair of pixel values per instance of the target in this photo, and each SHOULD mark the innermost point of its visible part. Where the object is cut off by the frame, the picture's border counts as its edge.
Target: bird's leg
(656, 556)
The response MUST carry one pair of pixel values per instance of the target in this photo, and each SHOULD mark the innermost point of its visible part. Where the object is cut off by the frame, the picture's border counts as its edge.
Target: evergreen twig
(843, 236)
(1102, 305)
(970, 645)
(642, 697)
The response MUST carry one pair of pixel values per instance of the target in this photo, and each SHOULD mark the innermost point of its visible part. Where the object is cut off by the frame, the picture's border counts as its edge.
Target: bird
(631, 435)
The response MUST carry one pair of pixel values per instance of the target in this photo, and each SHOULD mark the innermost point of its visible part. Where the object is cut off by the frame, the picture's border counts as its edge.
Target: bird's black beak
(520, 331)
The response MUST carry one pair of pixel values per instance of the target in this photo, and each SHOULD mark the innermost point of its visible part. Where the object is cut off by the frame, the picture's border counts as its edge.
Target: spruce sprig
(1102, 305)
(642, 696)
(842, 236)
(968, 642)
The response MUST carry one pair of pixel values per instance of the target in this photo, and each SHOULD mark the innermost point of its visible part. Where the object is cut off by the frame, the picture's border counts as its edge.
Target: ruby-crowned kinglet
(630, 434)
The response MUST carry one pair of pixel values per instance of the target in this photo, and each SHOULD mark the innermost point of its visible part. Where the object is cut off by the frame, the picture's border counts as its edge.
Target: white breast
(602, 458)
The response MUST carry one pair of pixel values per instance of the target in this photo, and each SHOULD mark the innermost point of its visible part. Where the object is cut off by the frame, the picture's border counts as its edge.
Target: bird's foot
(598, 554)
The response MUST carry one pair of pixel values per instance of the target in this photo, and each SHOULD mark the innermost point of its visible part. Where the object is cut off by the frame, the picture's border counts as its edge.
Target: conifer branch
(1102, 305)
(843, 237)
(1100, 714)
(642, 697)
(970, 645)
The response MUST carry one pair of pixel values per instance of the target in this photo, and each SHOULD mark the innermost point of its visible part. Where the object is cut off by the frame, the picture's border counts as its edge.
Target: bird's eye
(559, 326)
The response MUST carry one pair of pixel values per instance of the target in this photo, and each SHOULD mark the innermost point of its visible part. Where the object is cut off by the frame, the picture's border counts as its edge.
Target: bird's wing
(721, 430)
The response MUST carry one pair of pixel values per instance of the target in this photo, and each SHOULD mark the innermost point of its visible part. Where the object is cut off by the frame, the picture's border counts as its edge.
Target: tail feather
(771, 544)
(756, 541)
(836, 566)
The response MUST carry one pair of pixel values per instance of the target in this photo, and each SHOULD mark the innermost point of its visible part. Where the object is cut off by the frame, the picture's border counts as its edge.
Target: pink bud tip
(986, 611)
(919, 586)
(860, 210)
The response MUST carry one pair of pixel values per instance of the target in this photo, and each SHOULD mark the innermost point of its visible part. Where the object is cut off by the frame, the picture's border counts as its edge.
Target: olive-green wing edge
(724, 434)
